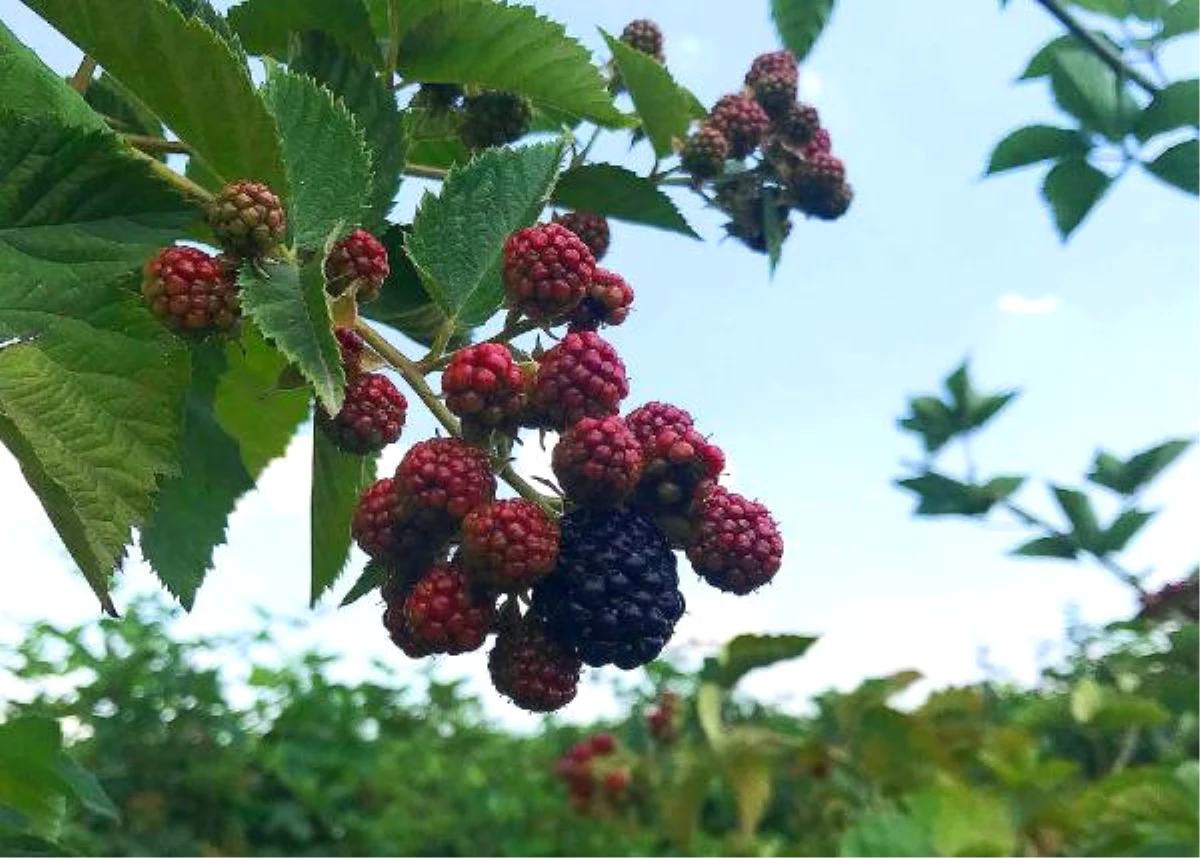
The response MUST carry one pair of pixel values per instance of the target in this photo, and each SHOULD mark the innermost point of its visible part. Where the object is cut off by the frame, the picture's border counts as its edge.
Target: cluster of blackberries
(483, 118)
(596, 568)
(793, 167)
(596, 773)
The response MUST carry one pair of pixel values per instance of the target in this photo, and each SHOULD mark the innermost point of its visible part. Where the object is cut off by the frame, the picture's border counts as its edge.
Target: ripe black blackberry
(614, 596)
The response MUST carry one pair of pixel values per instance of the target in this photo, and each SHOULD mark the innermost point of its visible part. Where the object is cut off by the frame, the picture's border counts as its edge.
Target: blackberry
(592, 230)
(531, 669)
(248, 219)
(613, 597)
(607, 302)
(646, 36)
(705, 152)
(494, 118)
(742, 122)
(582, 376)
(360, 261)
(190, 291)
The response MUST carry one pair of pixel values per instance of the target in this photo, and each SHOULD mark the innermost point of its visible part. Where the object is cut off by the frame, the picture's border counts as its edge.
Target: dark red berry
(484, 385)
(530, 669)
(598, 461)
(742, 121)
(580, 377)
(547, 269)
(372, 415)
(821, 142)
(675, 467)
(592, 230)
(602, 744)
(190, 290)
(797, 125)
(445, 613)
(646, 421)
(773, 77)
(351, 346)
(607, 302)
(401, 633)
(358, 261)
(374, 517)
(445, 475)
(737, 546)
(509, 544)
(705, 152)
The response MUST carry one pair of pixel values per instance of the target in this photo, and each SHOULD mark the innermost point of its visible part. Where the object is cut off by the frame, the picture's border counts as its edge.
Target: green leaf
(774, 229)
(1113, 8)
(932, 420)
(403, 302)
(503, 47)
(29, 89)
(1124, 528)
(266, 25)
(1042, 63)
(1181, 18)
(29, 781)
(1077, 507)
(1148, 464)
(373, 105)
(1048, 546)
(185, 73)
(1035, 143)
(747, 755)
(288, 306)
(942, 495)
(106, 95)
(85, 788)
(666, 108)
(885, 832)
(964, 821)
(621, 194)
(457, 238)
(1072, 188)
(338, 479)
(800, 23)
(1179, 166)
(1086, 699)
(1175, 106)
(328, 168)
(92, 398)
(374, 575)
(748, 652)
(214, 20)
(692, 776)
(192, 510)
(1088, 89)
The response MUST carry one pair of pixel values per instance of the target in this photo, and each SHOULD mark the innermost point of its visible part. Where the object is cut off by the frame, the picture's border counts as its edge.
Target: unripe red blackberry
(737, 547)
(742, 122)
(797, 125)
(598, 461)
(646, 421)
(351, 347)
(190, 291)
(615, 782)
(773, 77)
(372, 415)
(374, 517)
(446, 613)
(592, 230)
(607, 302)
(675, 467)
(494, 118)
(821, 142)
(602, 744)
(399, 630)
(248, 218)
(582, 376)
(532, 670)
(816, 182)
(705, 152)
(547, 269)
(358, 261)
(445, 475)
(484, 385)
(509, 544)
(646, 36)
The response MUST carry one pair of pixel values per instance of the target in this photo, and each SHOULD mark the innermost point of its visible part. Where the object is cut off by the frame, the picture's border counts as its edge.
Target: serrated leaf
(1128, 478)
(1048, 546)
(192, 510)
(214, 20)
(503, 47)
(800, 23)
(985, 408)
(942, 495)
(92, 400)
(373, 105)
(106, 95)
(185, 73)
(620, 194)
(1124, 528)
(1179, 166)
(373, 576)
(1175, 106)
(338, 479)
(288, 305)
(666, 108)
(29, 89)
(1072, 188)
(328, 167)
(1085, 87)
(265, 26)
(745, 653)
(1034, 144)
(403, 302)
(437, 153)
(1181, 18)
(457, 238)
(1077, 507)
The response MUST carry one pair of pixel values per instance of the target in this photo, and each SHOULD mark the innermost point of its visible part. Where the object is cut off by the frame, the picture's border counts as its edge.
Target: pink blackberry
(190, 290)
(607, 302)
(445, 613)
(372, 415)
(509, 544)
(705, 152)
(737, 547)
(773, 77)
(445, 476)
(821, 142)
(484, 385)
(582, 376)
(742, 122)
(592, 230)
(531, 670)
(598, 461)
(358, 261)
(646, 421)
(547, 269)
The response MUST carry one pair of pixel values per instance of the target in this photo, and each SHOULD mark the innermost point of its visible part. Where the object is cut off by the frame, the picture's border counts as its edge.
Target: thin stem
(438, 347)
(420, 171)
(82, 79)
(181, 183)
(582, 154)
(510, 332)
(1106, 53)
(156, 144)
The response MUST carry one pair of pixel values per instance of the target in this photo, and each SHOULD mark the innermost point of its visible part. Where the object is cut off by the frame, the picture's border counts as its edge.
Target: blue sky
(800, 378)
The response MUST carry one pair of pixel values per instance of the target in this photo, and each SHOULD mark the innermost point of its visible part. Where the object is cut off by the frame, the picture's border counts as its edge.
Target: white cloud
(1024, 305)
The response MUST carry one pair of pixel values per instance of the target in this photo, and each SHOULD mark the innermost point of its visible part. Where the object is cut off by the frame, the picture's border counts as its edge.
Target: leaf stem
(421, 171)
(156, 144)
(181, 183)
(82, 79)
(1105, 52)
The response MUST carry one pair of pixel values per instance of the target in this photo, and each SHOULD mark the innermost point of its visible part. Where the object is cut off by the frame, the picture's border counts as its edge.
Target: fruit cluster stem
(1105, 52)
(415, 379)
(181, 183)
(82, 79)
